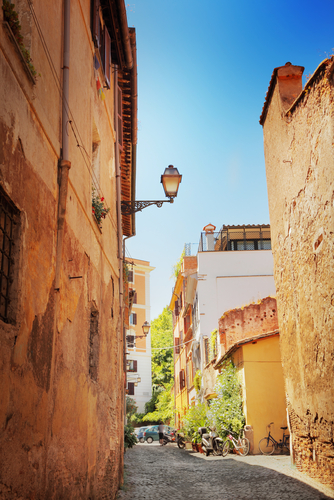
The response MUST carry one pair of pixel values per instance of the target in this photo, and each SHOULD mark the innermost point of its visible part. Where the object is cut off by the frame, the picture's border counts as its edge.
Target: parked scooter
(181, 442)
(211, 442)
(168, 438)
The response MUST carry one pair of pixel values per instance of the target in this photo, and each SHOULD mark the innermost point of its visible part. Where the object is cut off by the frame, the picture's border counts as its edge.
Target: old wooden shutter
(177, 345)
(134, 318)
(106, 55)
(135, 365)
(131, 388)
(96, 23)
(176, 308)
(130, 276)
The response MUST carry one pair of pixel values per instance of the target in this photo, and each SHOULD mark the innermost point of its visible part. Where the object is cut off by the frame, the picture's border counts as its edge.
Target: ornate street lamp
(170, 180)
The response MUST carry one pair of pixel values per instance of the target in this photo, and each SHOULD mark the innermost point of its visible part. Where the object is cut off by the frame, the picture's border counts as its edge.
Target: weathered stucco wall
(298, 145)
(61, 361)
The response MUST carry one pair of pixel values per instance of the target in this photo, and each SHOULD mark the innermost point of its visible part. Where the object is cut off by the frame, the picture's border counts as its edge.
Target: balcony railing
(231, 238)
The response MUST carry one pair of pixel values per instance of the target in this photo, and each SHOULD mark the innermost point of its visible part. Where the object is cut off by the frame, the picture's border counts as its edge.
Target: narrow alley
(153, 472)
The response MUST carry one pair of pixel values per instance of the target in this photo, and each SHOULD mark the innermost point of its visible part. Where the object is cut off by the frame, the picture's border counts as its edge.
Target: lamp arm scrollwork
(131, 207)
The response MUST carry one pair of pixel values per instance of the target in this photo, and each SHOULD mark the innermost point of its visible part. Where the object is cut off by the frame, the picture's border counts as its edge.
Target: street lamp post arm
(131, 207)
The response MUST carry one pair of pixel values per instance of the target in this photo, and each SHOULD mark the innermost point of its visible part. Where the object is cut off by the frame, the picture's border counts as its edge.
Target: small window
(130, 277)
(130, 339)
(132, 365)
(8, 220)
(131, 388)
(177, 345)
(133, 319)
(182, 380)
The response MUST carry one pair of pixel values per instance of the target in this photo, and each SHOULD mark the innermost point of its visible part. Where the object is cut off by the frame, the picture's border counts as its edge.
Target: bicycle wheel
(244, 447)
(226, 448)
(266, 446)
(218, 448)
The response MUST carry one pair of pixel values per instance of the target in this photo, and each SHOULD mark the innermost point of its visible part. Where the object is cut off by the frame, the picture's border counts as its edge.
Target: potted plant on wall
(98, 208)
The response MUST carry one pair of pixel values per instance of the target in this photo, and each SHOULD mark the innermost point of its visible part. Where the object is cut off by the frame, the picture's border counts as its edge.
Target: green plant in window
(213, 344)
(12, 18)
(98, 209)
(198, 381)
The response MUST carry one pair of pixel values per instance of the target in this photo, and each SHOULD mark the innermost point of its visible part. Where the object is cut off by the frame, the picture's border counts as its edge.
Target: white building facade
(235, 268)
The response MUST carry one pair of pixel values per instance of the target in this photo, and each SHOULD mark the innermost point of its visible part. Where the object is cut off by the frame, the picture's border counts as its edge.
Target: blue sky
(203, 72)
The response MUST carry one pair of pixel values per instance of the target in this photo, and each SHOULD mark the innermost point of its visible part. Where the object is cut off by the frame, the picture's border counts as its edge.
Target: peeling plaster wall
(300, 164)
(61, 366)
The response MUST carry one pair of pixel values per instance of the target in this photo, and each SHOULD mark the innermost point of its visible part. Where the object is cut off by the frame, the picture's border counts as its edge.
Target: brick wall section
(298, 145)
(239, 324)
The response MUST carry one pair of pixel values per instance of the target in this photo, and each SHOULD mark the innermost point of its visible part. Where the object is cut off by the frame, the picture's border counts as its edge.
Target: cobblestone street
(153, 472)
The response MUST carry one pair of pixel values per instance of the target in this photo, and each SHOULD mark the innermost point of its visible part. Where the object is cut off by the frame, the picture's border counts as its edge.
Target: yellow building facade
(258, 360)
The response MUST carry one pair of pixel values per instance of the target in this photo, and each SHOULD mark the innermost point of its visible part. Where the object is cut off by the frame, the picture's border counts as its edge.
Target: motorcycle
(211, 442)
(168, 438)
(181, 442)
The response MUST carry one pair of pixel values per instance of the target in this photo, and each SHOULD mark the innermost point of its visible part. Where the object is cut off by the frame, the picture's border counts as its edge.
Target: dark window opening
(8, 221)
(131, 388)
(94, 344)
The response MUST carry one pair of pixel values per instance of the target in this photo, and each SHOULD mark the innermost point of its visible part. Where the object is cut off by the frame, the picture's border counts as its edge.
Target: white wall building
(235, 268)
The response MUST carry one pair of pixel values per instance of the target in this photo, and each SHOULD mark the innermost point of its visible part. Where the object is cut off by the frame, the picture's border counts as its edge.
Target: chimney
(290, 84)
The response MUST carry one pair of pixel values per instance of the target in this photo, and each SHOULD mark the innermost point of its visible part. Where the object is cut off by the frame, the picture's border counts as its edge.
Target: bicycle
(268, 445)
(240, 444)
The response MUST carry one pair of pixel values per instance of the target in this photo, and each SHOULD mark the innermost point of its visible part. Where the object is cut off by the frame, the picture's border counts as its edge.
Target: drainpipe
(64, 164)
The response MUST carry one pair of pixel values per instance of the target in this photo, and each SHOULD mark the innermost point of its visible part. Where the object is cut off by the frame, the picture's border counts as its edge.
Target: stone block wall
(253, 319)
(299, 156)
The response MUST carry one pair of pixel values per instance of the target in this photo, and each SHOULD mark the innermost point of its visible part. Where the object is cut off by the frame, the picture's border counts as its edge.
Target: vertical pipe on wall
(64, 164)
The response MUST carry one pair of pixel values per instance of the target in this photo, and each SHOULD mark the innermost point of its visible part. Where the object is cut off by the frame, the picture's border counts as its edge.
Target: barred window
(8, 219)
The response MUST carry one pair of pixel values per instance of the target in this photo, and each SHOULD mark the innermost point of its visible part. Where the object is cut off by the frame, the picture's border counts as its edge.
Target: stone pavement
(154, 472)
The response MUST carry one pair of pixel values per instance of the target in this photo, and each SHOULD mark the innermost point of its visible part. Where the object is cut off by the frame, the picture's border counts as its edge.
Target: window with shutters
(132, 365)
(130, 340)
(101, 38)
(176, 308)
(177, 345)
(130, 277)
(131, 388)
(135, 297)
(182, 380)
(9, 218)
(133, 319)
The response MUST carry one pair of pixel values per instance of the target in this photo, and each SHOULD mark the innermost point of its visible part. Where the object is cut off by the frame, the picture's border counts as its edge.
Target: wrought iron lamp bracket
(131, 207)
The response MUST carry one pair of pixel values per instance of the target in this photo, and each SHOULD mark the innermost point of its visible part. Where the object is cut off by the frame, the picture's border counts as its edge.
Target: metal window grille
(7, 221)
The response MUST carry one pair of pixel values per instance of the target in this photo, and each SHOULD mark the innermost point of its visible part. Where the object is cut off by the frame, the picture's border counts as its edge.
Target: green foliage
(131, 407)
(213, 344)
(12, 18)
(130, 438)
(225, 411)
(164, 410)
(197, 381)
(162, 359)
(194, 418)
(177, 267)
(196, 438)
(98, 209)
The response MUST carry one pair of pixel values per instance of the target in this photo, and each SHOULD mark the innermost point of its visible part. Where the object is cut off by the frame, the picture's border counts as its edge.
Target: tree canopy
(162, 359)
